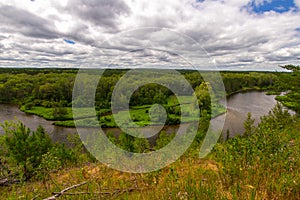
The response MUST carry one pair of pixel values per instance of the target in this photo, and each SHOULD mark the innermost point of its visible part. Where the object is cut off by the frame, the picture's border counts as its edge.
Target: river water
(59, 133)
(238, 105)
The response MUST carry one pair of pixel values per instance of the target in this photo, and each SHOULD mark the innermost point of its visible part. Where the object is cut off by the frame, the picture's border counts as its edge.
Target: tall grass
(262, 165)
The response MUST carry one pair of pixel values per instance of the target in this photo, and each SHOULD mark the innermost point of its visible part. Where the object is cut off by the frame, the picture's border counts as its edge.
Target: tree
(59, 111)
(249, 125)
(125, 141)
(291, 83)
(158, 114)
(203, 96)
(163, 139)
(141, 145)
(278, 117)
(25, 147)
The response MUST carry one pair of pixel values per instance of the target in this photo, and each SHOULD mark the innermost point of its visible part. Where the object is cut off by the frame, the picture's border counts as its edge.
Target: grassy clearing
(139, 114)
(46, 113)
(273, 93)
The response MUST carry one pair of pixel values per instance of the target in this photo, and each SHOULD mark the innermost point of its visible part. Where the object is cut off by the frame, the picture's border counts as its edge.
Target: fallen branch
(58, 194)
(8, 181)
(111, 193)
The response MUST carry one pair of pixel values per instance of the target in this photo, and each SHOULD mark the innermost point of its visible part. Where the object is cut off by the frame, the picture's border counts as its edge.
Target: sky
(206, 34)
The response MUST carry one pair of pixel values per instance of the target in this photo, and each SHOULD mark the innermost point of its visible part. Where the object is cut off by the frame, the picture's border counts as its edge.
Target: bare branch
(58, 194)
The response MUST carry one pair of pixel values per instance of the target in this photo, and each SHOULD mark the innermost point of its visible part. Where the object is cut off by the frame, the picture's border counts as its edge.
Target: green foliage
(111, 137)
(163, 139)
(25, 147)
(157, 114)
(290, 82)
(48, 113)
(59, 111)
(202, 127)
(262, 159)
(141, 145)
(278, 118)
(203, 96)
(48, 164)
(125, 141)
(238, 81)
(48, 93)
(66, 155)
(25, 152)
(249, 125)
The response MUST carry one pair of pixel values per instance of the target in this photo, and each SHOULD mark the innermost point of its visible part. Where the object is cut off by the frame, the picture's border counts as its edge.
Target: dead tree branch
(58, 194)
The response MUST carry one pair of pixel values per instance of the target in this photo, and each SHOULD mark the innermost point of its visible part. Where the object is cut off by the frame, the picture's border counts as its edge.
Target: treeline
(290, 82)
(50, 87)
(239, 81)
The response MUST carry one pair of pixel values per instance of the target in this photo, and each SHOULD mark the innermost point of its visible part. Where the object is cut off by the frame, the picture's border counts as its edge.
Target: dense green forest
(44, 87)
(262, 163)
(48, 93)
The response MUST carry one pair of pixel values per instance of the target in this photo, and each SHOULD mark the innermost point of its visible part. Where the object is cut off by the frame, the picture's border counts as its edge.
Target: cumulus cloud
(99, 12)
(297, 2)
(231, 32)
(13, 19)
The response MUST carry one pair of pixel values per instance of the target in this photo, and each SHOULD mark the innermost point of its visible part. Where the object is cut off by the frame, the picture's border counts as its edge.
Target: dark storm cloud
(13, 20)
(100, 12)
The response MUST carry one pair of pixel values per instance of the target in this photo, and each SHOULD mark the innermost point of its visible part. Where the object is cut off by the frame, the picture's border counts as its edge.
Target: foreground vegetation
(261, 163)
(264, 163)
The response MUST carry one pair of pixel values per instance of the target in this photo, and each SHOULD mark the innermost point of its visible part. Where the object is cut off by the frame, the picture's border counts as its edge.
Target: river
(238, 105)
(60, 133)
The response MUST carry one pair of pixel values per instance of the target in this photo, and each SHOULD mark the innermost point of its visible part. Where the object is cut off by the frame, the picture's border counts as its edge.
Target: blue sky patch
(69, 41)
(279, 6)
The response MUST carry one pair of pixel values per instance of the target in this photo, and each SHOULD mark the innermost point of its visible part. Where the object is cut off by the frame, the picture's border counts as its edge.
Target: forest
(261, 163)
(48, 93)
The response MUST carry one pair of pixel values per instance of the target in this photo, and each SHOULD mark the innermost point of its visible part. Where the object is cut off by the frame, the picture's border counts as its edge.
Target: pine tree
(249, 125)
(24, 147)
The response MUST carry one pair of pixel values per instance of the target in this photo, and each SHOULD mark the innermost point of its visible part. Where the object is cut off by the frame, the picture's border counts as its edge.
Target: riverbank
(139, 114)
(259, 171)
(257, 103)
(246, 89)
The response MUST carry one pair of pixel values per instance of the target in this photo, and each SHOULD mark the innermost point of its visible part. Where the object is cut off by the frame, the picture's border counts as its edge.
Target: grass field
(139, 114)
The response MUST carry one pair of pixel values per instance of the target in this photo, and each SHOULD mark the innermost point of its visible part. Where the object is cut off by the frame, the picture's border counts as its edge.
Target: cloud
(99, 12)
(13, 19)
(297, 3)
(231, 32)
